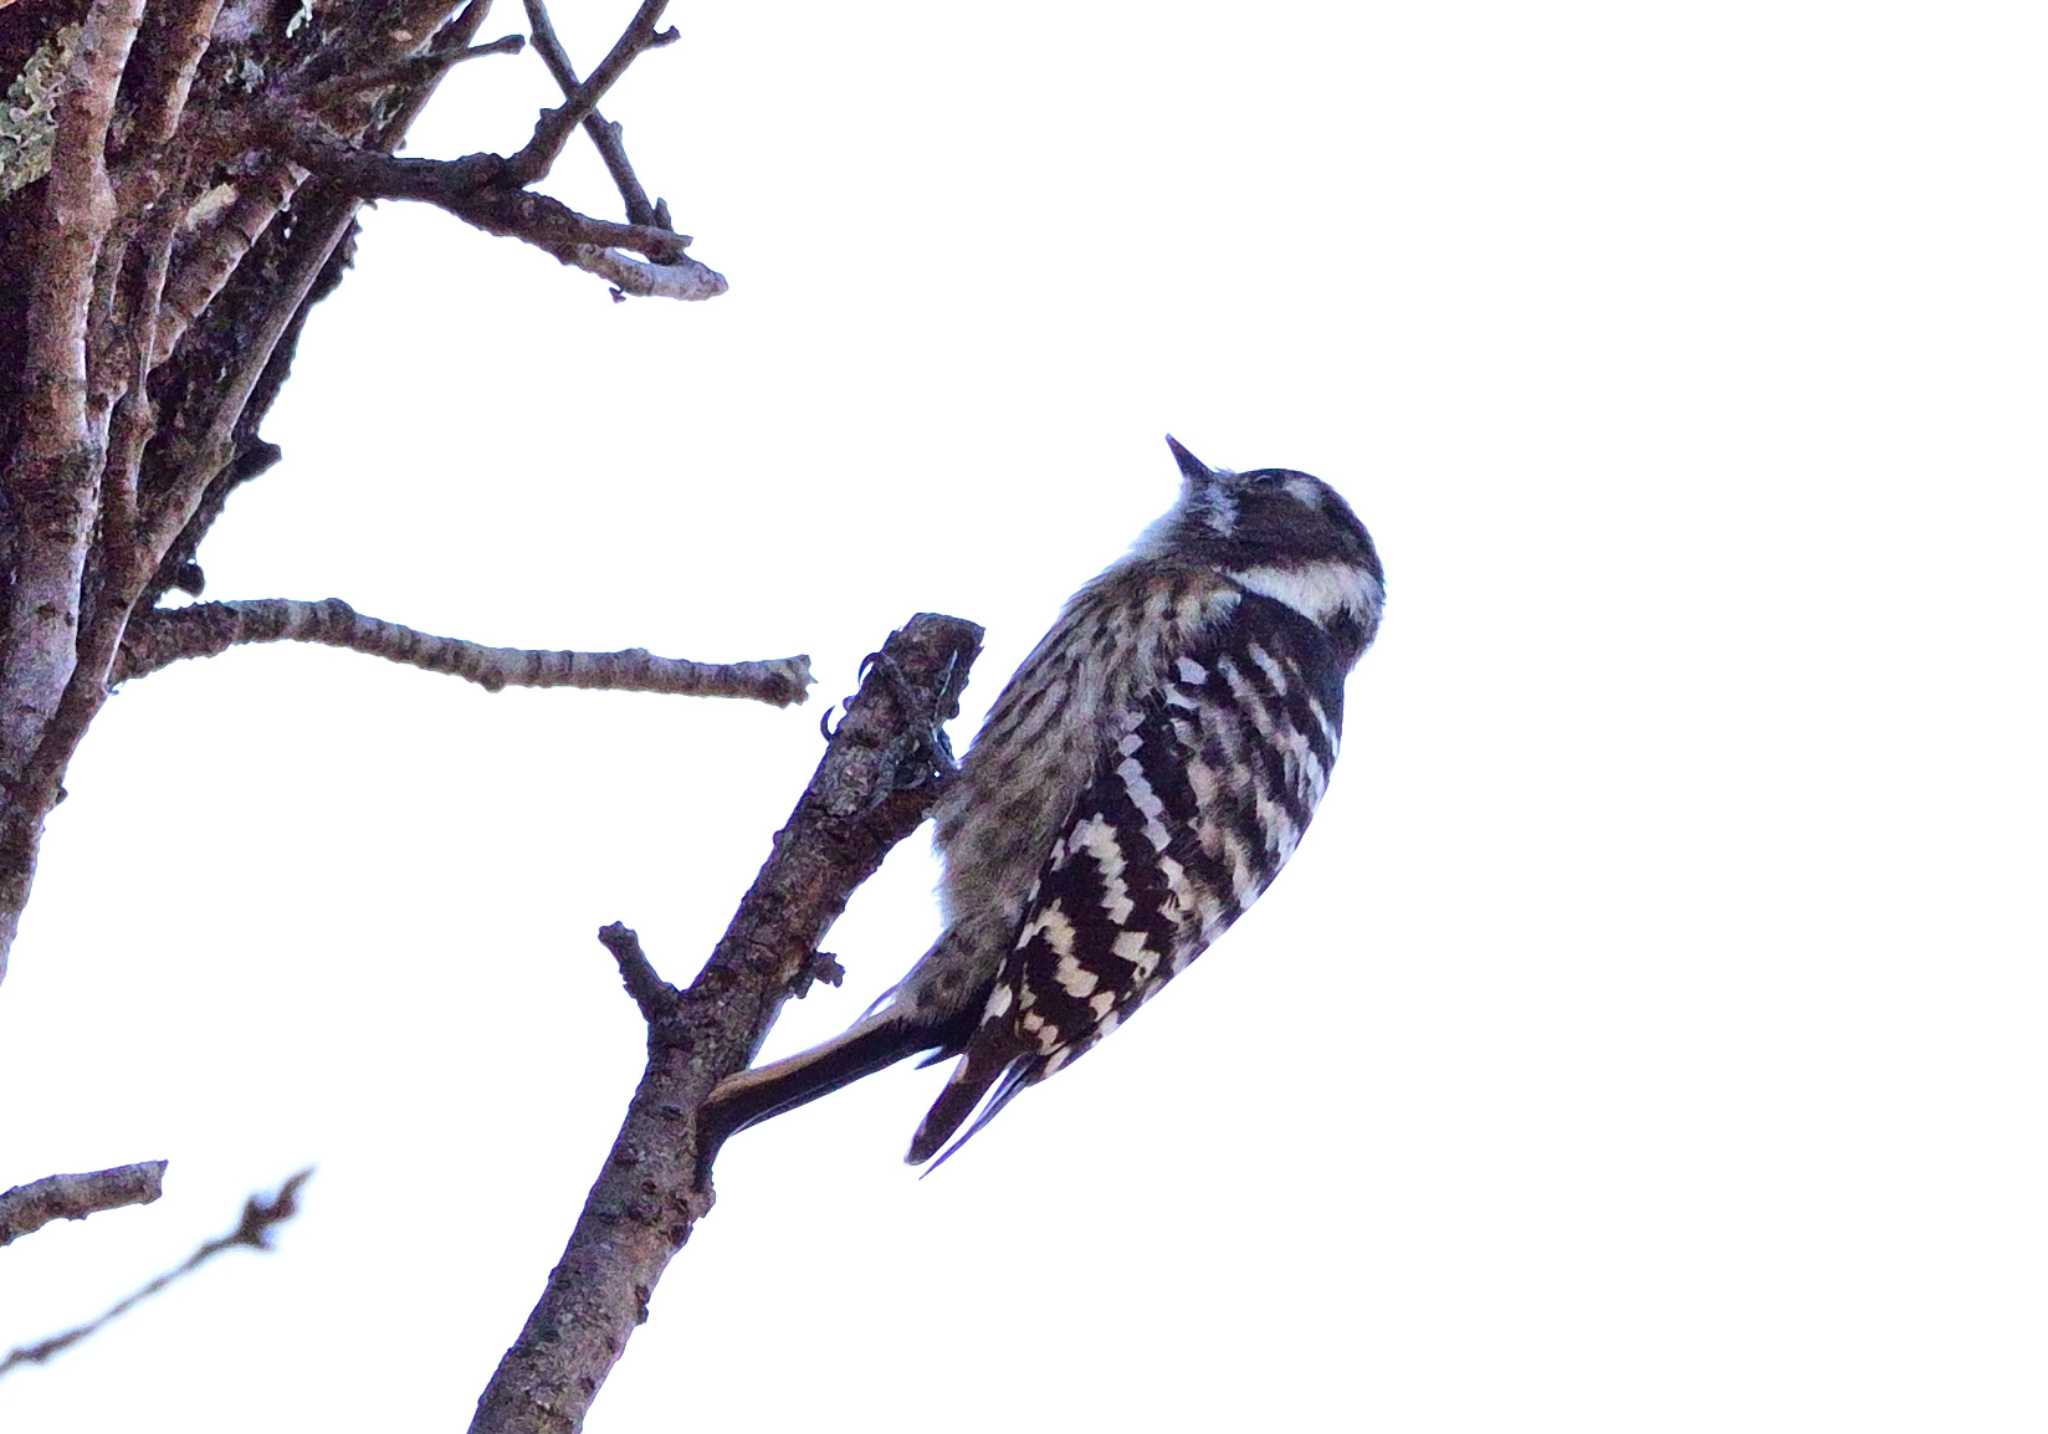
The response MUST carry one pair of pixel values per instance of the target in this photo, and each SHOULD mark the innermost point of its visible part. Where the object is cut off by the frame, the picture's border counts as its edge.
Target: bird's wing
(1190, 814)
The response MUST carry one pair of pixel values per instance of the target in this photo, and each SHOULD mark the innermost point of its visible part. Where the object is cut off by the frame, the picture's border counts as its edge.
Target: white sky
(1649, 1034)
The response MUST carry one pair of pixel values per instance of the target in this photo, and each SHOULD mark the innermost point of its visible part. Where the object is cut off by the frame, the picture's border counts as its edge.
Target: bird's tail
(876, 1041)
(995, 1067)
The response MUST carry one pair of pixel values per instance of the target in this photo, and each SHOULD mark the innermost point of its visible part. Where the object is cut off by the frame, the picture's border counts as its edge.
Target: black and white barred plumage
(1138, 784)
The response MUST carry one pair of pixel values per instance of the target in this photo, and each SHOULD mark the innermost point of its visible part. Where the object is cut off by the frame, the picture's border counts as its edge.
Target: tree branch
(216, 255)
(27, 1208)
(475, 189)
(159, 638)
(683, 278)
(260, 197)
(604, 133)
(202, 459)
(134, 418)
(652, 1188)
(417, 68)
(318, 227)
(179, 34)
(53, 477)
(259, 1216)
(552, 132)
(654, 996)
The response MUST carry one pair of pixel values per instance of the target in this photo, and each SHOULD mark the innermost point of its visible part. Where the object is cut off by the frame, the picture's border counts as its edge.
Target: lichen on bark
(28, 113)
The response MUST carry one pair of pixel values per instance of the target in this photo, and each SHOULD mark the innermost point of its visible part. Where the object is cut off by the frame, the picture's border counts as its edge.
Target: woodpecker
(1140, 781)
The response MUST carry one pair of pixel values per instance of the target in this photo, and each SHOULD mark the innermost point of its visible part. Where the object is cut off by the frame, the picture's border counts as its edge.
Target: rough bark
(872, 789)
(178, 187)
(27, 1208)
(189, 197)
(157, 639)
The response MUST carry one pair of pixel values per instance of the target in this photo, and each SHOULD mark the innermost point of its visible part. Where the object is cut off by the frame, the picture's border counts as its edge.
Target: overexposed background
(1648, 1036)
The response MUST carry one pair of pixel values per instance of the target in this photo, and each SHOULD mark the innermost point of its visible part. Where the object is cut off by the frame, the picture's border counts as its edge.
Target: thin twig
(654, 1184)
(405, 72)
(134, 419)
(552, 132)
(654, 996)
(259, 1216)
(476, 189)
(205, 444)
(683, 278)
(605, 134)
(207, 454)
(27, 1208)
(258, 200)
(215, 257)
(158, 638)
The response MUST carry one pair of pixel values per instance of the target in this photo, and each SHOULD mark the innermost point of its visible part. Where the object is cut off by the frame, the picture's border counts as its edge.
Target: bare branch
(134, 419)
(473, 188)
(538, 156)
(313, 242)
(78, 213)
(260, 199)
(405, 72)
(201, 443)
(655, 1182)
(52, 480)
(604, 133)
(159, 638)
(259, 1216)
(27, 1208)
(654, 996)
(684, 279)
(178, 38)
(216, 256)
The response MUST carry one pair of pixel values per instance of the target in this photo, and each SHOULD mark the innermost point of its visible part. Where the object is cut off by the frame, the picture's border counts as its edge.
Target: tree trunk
(178, 187)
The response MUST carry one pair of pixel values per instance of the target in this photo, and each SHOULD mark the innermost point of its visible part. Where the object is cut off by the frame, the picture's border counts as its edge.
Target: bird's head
(1280, 533)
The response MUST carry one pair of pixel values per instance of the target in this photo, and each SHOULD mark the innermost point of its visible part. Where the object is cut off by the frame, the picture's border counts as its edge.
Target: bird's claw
(932, 756)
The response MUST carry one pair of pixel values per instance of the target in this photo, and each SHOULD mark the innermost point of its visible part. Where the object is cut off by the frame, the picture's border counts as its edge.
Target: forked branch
(655, 1183)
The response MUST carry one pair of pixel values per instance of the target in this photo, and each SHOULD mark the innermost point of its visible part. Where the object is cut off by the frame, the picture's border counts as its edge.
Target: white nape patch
(1305, 491)
(1318, 591)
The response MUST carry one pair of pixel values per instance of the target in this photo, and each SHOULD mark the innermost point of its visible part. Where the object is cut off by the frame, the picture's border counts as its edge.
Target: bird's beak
(1193, 469)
